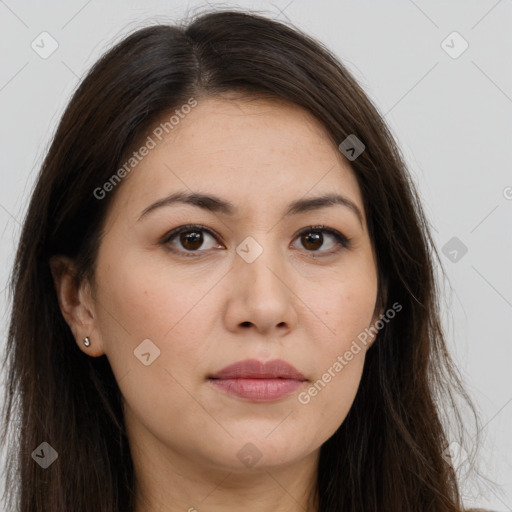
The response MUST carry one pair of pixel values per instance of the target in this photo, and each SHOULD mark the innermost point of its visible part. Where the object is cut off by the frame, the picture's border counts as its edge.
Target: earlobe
(75, 302)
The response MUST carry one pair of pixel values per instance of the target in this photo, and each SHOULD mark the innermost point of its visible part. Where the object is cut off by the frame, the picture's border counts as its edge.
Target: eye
(313, 238)
(190, 238)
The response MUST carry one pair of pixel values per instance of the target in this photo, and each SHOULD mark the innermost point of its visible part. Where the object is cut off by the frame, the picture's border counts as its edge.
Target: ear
(76, 304)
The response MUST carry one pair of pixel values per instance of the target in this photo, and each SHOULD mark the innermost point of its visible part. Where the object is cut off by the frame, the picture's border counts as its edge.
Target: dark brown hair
(388, 453)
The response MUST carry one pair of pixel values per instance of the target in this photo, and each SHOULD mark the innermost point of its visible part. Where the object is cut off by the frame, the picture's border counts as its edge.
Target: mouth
(258, 381)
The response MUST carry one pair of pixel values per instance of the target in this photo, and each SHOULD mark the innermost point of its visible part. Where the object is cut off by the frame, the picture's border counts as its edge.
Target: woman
(224, 291)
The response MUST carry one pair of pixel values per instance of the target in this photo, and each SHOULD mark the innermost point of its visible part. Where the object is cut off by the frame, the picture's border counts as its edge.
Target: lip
(258, 381)
(255, 369)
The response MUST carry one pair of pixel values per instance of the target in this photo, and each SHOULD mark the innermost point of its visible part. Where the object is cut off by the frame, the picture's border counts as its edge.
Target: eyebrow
(215, 204)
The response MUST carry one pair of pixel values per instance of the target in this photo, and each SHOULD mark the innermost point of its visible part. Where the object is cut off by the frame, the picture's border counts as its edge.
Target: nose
(261, 296)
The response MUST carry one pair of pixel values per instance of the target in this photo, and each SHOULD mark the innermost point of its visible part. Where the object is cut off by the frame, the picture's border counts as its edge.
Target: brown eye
(312, 240)
(322, 240)
(190, 240)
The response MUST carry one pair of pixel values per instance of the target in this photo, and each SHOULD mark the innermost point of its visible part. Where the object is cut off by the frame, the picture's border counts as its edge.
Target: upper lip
(255, 369)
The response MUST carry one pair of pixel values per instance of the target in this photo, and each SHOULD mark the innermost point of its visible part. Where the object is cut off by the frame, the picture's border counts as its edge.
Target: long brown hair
(388, 453)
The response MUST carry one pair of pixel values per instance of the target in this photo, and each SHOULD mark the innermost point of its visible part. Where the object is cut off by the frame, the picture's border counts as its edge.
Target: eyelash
(342, 241)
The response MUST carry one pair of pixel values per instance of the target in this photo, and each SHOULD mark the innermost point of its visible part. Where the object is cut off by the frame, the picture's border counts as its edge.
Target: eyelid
(177, 231)
(341, 239)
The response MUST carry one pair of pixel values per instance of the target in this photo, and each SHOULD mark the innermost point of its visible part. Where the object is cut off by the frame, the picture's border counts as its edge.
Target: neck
(186, 487)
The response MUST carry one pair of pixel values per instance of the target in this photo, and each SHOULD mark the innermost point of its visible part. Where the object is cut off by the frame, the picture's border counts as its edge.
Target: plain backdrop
(446, 96)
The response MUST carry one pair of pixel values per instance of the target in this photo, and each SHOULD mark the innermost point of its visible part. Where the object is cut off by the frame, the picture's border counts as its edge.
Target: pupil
(191, 240)
(311, 239)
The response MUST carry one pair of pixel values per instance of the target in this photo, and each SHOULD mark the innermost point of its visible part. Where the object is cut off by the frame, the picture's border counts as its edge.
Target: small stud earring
(86, 342)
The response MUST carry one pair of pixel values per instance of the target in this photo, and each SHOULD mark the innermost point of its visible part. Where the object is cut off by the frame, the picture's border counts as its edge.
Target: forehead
(256, 152)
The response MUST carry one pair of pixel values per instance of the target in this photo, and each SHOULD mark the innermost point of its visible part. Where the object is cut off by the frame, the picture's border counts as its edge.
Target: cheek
(338, 358)
(325, 403)
(350, 313)
(139, 301)
(146, 298)
(345, 303)
(341, 350)
(342, 296)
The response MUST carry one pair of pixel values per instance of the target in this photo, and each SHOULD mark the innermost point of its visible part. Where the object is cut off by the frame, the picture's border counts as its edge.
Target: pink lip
(258, 381)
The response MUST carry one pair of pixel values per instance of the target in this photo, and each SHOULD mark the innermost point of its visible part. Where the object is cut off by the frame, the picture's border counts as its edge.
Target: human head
(149, 75)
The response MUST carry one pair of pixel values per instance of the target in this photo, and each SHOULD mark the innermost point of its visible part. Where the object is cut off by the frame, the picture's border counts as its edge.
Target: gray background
(451, 116)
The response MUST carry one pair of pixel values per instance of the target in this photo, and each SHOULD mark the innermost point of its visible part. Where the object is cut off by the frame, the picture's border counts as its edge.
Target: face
(250, 280)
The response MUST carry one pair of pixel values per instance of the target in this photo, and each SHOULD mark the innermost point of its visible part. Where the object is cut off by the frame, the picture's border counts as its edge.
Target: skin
(209, 311)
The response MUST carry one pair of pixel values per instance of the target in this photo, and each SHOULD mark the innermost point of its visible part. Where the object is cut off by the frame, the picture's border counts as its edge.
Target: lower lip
(258, 390)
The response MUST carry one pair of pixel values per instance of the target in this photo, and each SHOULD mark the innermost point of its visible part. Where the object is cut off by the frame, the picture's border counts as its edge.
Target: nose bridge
(260, 288)
(260, 265)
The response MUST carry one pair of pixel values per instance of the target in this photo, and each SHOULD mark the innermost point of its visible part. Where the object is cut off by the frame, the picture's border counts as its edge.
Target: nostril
(246, 324)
